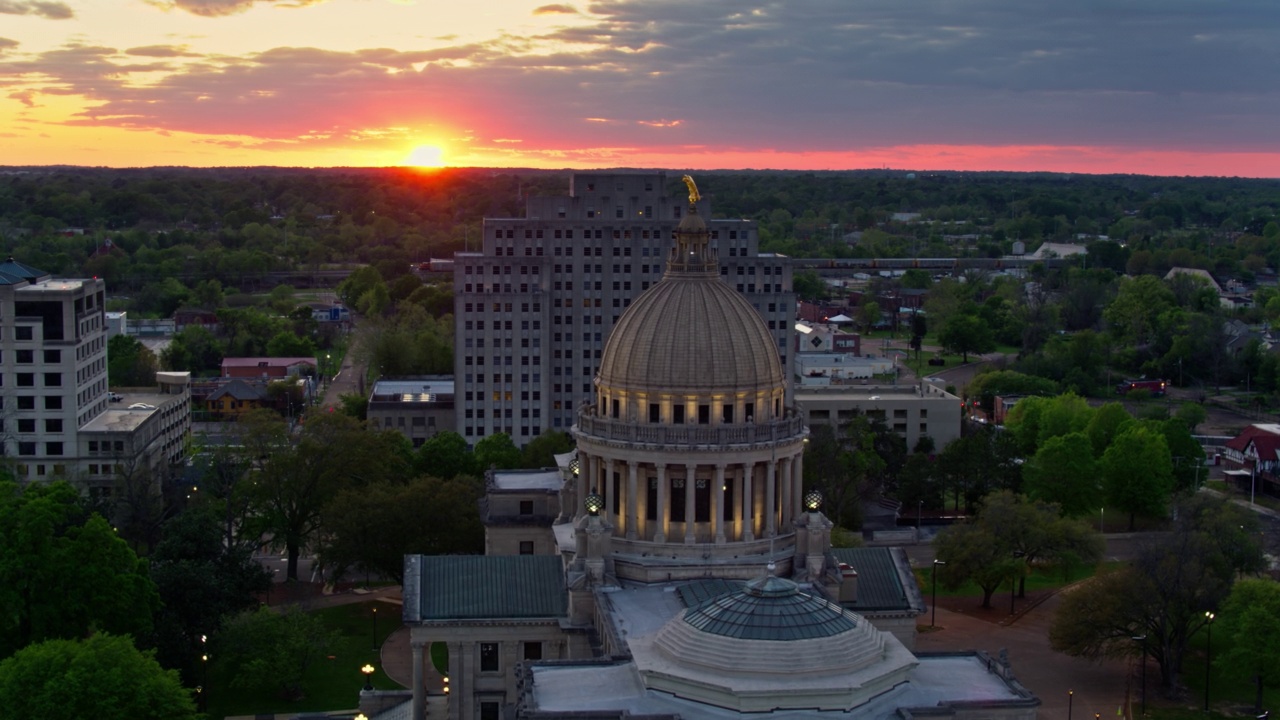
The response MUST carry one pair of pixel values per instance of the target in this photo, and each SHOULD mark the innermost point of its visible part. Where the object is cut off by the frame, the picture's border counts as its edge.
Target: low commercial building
(913, 411)
(417, 408)
(518, 510)
(142, 435)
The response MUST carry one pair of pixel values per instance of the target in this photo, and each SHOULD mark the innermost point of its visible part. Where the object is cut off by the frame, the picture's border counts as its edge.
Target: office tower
(533, 307)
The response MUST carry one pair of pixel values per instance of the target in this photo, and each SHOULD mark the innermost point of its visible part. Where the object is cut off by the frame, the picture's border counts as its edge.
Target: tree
(102, 676)
(286, 344)
(201, 581)
(269, 650)
(1165, 592)
(1034, 530)
(966, 333)
(869, 315)
(54, 555)
(333, 452)
(1107, 422)
(496, 451)
(1191, 415)
(374, 527)
(130, 363)
(1133, 314)
(1063, 471)
(808, 286)
(1137, 472)
(193, 349)
(987, 385)
(444, 455)
(540, 452)
(1187, 454)
(1251, 618)
(974, 554)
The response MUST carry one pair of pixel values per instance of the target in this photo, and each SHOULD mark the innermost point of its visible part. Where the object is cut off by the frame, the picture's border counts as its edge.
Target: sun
(425, 156)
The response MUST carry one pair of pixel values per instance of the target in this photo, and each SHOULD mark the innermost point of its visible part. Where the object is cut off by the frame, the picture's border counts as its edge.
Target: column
(584, 483)
(737, 506)
(460, 685)
(784, 494)
(797, 487)
(771, 498)
(608, 493)
(748, 522)
(690, 480)
(419, 689)
(660, 532)
(633, 517)
(717, 507)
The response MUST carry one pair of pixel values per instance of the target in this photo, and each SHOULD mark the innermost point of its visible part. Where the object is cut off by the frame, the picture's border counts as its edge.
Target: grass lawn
(333, 681)
(1041, 578)
(1228, 693)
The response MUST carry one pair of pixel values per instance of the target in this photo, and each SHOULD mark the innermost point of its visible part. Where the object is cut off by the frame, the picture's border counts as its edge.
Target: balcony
(692, 436)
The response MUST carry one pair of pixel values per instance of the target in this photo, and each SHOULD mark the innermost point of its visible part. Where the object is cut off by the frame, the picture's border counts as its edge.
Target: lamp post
(1013, 580)
(375, 629)
(1208, 654)
(1142, 639)
(1071, 696)
(1102, 522)
(368, 677)
(204, 673)
(919, 512)
(934, 621)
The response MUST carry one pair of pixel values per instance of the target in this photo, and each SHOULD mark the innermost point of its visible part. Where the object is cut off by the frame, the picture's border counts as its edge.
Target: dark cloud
(6, 44)
(792, 75)
(39, 8)
(219, 8)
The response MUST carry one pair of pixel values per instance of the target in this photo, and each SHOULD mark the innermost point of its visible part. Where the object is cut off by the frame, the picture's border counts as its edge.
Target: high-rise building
(53, 360)
(533, 307)
(57, 419)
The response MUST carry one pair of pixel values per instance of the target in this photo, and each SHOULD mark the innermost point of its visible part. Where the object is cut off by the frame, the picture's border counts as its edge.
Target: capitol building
(675, 566)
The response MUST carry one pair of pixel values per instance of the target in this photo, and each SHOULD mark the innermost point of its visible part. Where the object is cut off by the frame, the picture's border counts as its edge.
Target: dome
(770, 608)
(691, 332)
(746, 631)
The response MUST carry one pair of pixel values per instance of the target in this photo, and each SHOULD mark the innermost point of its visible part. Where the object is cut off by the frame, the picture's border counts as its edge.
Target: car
(142, 406)
(115, 397)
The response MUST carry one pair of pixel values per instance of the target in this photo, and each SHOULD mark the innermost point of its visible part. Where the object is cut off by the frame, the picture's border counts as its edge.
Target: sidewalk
(1099, 687)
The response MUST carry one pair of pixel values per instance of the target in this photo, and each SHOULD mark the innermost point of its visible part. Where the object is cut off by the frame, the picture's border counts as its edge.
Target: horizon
(924, 173)
(1183, 90)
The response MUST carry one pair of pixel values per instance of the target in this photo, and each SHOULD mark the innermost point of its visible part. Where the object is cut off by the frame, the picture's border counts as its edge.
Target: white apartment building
(57, 419)
(535, 304)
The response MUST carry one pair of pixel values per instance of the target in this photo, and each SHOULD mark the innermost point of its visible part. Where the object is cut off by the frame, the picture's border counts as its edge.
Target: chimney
(848, 584)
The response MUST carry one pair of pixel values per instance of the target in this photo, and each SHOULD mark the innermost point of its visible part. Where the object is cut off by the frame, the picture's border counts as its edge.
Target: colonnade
(697, 502)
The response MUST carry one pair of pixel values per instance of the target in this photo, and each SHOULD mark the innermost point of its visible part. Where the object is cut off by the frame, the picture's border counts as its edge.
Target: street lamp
(1142, 639)
(1071, 696)
(934, 621)
(368, 677)
(375, 629)
(1208, 654)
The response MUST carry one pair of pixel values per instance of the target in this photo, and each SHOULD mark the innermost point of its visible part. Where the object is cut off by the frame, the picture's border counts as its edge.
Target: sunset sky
(1173, 87)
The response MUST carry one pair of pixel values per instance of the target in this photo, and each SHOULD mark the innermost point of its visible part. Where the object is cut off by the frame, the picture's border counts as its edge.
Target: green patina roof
(770, 608)
(879, 585)
(457, 587)
(699, 591)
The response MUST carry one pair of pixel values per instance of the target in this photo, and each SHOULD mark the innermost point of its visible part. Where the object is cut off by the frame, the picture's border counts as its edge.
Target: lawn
(1044, 577)
(333, 681)
(1231, 694)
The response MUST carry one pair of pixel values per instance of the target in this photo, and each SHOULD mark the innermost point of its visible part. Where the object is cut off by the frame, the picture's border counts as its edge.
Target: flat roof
(419, 390)
(119, 417)
(936, 680)
(544, 479)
